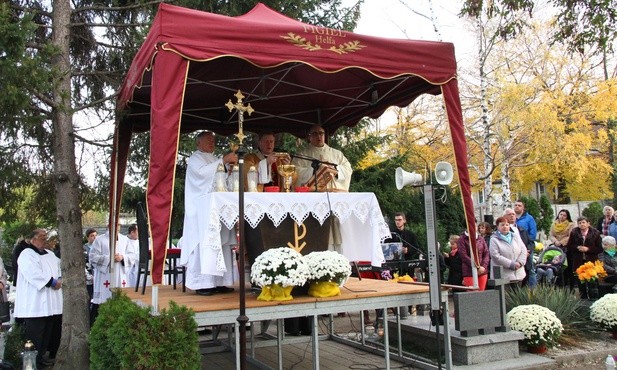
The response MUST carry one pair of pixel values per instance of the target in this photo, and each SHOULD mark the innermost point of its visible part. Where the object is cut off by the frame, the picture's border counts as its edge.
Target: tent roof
(293, 74)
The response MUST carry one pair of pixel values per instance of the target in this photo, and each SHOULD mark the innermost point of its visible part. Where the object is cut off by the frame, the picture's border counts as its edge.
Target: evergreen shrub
(127, 336)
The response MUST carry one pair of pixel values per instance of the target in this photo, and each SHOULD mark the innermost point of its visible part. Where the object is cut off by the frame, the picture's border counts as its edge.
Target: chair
(143, 236)
(173, 254)
(173, 270)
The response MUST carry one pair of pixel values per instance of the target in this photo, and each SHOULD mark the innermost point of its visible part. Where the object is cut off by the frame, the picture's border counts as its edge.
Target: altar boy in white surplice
(203, 273)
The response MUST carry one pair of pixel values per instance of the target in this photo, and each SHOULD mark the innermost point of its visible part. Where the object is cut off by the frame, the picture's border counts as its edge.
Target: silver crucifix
(241, 109)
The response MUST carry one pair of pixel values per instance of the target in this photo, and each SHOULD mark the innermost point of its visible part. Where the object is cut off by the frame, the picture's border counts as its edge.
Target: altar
(362, 226)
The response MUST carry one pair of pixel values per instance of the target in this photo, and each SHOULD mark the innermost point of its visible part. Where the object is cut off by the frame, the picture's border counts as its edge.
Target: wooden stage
(356, 296)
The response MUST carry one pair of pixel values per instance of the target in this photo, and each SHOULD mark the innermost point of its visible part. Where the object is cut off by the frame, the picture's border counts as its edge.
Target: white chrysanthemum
(539, 324)
(328, 266)
(282, 266)
(604, 311)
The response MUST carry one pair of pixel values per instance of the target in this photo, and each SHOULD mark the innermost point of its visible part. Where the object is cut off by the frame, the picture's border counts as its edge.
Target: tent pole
(113, 216)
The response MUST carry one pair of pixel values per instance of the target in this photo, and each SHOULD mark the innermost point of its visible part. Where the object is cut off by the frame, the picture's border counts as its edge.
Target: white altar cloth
(363, 227)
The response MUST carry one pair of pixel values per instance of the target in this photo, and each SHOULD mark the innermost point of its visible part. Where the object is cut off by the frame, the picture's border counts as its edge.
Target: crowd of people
(511, 242)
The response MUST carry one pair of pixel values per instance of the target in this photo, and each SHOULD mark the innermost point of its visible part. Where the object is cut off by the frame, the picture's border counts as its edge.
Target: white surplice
(99, 258)
(327, 154)
(205, 266)
(34, 298)
(131, 275)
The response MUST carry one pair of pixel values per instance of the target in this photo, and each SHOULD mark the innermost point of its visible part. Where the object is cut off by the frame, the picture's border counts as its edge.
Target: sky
(409, 19)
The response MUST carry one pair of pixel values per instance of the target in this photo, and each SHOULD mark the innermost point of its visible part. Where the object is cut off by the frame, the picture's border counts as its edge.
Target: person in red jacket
(482, 263)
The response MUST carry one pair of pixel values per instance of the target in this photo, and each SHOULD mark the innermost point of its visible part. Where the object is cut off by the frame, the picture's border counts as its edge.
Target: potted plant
(588, 274)
(604, 312)
(540, 326)
(277, 271)
(327, 271)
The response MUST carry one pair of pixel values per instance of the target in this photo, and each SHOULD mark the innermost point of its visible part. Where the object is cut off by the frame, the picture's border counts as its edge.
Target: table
(363, 227)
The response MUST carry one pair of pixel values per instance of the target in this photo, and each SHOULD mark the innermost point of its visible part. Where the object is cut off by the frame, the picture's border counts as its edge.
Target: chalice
(287, 171)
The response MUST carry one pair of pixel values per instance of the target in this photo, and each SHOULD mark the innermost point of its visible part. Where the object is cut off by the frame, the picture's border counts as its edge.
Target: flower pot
(593, 291)
(537, 349)
(275, 292)
(323, 289)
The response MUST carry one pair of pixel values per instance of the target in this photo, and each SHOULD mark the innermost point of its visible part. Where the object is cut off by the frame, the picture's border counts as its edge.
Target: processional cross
(241, 108)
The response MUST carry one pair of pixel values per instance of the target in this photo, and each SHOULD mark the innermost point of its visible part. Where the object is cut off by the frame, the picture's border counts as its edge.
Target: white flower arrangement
(604, 311)
(539, 324)
(328, 266)
(282, 266)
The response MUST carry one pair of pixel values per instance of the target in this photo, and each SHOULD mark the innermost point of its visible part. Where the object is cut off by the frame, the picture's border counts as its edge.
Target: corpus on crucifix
(241, 108)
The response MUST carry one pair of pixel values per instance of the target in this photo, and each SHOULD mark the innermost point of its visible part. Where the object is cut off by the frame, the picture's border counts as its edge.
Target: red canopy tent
(293, 74)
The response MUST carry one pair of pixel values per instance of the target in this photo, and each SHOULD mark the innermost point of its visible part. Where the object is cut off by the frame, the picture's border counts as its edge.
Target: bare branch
(96, 102)
(116, 8)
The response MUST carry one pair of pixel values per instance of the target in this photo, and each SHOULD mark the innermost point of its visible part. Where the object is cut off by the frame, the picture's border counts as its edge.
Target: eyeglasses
(317, 133)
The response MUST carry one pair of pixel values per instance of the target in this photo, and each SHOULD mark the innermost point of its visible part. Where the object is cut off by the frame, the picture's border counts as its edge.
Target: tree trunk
(73, 352)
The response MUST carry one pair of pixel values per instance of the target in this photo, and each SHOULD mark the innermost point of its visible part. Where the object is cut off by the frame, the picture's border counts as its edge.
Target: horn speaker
(443, 173)
(404, 178)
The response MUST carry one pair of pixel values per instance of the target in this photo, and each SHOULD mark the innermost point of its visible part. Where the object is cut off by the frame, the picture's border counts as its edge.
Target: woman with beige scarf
(561, 228)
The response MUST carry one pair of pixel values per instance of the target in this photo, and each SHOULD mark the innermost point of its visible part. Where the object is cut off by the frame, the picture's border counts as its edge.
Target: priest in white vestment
(318, 149)
(39, 294)
(124, 258)
(264, 161)
(206, 273)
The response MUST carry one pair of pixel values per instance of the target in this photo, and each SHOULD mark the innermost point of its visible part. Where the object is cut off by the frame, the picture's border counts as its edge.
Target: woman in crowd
(3, 282)
(453, 261)
(481, 264)
(508, 251)
(584, 244)
(486, 230)
(609, 260)
(561, 228)
(559, 235)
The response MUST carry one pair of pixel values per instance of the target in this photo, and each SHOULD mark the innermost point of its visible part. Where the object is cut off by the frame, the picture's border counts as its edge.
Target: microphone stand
(408, 244)
(314, 164)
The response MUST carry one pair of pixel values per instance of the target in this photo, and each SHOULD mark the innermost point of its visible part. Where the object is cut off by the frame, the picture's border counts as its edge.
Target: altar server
(203, 272)
(133, 241)
(319, 150)
(39, 294)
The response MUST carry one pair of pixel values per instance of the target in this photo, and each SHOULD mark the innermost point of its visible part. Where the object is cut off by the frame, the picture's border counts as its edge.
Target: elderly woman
(584, 245)
(508, 251)
(609, 259)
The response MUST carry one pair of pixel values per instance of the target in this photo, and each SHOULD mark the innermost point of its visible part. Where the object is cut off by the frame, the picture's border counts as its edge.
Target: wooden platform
(356, 295)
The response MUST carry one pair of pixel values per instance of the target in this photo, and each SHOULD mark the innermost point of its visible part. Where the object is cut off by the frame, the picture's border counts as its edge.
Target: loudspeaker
(403, 178)
(443, 173)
